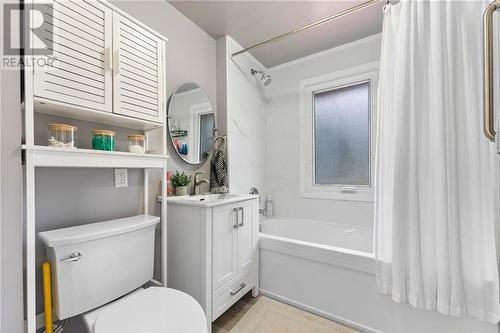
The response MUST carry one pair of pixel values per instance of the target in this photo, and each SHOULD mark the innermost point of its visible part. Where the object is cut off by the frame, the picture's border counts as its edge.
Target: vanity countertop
(209, 199)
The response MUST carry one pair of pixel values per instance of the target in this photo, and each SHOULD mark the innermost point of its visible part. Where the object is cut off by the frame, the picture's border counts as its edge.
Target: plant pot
(181, 190)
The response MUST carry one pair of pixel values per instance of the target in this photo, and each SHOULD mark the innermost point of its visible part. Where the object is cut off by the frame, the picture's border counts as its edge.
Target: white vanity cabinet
(104, 61)
(232, 241)
(213, 250)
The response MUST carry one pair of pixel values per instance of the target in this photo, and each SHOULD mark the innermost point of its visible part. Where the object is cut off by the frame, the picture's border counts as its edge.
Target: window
(202, 123)
(336, 136)
(207, 125)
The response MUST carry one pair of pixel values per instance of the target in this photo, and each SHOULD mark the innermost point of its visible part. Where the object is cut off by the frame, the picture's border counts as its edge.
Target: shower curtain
(435, 175)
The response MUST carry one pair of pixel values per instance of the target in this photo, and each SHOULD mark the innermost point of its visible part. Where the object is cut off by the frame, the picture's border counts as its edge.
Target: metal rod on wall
(312, 25)
(488, 75)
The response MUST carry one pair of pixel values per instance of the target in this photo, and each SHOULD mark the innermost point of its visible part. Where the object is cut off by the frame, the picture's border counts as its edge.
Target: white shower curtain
(435, 197)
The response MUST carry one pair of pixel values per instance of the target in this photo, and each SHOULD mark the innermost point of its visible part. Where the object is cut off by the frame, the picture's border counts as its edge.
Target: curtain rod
(312, 25)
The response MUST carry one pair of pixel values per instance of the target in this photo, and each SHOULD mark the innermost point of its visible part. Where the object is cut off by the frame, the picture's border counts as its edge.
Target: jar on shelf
(136, 143)
(103, 140)
(62, 135)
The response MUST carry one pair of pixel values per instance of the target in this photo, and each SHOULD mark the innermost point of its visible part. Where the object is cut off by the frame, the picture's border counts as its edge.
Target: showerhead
(265, 78)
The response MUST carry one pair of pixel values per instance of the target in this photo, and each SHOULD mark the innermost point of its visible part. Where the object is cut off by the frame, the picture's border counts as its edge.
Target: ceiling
(251, 22)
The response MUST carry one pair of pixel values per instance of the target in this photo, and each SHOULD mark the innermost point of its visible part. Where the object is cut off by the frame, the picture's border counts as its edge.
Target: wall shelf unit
(55, 108)
(44, 156)
(100, 94)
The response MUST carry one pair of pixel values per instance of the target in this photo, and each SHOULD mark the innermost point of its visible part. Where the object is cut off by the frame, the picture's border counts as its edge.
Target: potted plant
(181, 181)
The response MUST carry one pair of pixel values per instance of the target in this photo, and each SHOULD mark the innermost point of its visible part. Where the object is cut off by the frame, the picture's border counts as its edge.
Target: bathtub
(330, 243)
(328, 269)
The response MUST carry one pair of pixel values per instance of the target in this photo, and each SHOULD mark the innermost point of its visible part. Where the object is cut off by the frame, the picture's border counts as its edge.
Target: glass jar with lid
(103, 140)
(136, 143)
(62, 135)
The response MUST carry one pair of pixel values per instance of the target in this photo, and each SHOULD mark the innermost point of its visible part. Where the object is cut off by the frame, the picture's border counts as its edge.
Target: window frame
(196, 110)
(307, 89)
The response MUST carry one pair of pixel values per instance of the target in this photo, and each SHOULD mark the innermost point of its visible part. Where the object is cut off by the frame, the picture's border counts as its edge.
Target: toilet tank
(96, 263)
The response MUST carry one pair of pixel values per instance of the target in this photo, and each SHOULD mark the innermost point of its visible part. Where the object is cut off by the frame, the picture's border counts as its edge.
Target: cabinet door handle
(109, 59)
(116, 62)
(235, 226)
(243, 285)
(242, 223)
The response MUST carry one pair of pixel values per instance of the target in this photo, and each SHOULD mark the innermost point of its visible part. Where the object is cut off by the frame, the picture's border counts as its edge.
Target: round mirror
(191, 123)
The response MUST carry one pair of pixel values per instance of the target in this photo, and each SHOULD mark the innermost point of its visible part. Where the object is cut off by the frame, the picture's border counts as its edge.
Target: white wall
(282, 113)
(11, 251)
(245, 117)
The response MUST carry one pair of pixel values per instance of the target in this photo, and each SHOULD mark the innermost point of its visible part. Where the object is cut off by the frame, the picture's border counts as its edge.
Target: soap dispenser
(269, 206)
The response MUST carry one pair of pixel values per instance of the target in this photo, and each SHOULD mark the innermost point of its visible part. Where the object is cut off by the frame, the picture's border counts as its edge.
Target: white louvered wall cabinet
(138, 67)
(105, 62)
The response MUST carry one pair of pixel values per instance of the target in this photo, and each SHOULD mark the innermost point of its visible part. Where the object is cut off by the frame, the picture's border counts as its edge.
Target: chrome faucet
(262, 211)
(199, 182)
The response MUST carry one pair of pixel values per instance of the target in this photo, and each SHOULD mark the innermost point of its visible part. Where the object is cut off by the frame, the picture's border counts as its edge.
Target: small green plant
(181, 179)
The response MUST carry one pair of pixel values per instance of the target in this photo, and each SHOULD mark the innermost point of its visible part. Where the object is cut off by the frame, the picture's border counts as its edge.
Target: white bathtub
(330, 243)
(328, 269)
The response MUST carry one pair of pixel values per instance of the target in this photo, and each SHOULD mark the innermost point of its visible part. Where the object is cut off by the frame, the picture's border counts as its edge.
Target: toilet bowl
(155, 309)
(99, 270)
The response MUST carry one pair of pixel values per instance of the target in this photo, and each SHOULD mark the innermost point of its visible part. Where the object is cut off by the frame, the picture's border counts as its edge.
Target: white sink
(208, 199)
(211, 197)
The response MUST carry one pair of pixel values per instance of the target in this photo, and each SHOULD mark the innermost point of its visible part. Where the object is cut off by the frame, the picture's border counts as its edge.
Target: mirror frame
(168, 118)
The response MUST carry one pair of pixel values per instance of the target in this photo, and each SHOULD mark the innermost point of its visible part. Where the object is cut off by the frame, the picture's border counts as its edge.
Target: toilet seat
(153, 310)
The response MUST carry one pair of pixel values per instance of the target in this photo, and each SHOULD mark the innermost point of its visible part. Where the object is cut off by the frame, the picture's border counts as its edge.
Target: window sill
(360, 195)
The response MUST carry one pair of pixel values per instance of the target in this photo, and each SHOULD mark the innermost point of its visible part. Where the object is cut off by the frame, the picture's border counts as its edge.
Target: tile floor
(265, 315)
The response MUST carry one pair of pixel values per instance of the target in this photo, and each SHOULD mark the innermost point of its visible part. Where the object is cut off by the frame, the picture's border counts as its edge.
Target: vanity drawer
(229, 293)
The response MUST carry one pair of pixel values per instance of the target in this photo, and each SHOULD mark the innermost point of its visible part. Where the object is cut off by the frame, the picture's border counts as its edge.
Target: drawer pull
(243, 285)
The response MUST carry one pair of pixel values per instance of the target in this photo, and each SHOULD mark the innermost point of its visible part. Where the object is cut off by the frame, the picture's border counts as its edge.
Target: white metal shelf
(55, 108)
(45, 156)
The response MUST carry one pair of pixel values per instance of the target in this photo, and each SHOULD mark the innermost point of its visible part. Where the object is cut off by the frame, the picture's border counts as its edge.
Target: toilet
(98, 273)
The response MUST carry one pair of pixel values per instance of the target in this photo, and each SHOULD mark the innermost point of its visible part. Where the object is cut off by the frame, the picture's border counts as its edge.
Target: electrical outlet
(121, 178)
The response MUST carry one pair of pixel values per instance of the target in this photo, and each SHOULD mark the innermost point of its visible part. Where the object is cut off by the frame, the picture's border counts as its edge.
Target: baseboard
(346, 322)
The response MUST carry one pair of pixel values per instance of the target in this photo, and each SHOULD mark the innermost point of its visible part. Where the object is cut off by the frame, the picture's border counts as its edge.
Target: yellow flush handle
(47, 296)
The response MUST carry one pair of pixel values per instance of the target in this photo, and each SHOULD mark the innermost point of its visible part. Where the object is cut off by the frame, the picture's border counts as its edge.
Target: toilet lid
(156, 309)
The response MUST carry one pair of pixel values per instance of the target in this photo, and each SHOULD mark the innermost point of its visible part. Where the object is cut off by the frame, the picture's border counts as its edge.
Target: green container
(103, 140)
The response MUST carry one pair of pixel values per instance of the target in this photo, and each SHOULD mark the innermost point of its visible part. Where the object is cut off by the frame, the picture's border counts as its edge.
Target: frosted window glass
(342, 136)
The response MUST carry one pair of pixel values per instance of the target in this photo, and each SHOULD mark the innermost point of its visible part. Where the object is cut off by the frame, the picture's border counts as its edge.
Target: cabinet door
(224, 249)
(138, 71)
(246, 248)
(79, 34)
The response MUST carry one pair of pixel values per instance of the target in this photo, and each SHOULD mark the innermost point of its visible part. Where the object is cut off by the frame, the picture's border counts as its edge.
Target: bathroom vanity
(213, 248)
